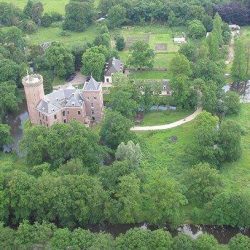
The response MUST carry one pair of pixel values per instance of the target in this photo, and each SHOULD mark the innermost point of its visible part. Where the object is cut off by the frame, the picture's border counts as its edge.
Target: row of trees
(48, 236)
(28, 19)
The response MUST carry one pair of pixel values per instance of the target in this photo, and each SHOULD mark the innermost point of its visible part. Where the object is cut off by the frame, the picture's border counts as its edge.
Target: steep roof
(113, 66)
(69, 97)
(92, 84)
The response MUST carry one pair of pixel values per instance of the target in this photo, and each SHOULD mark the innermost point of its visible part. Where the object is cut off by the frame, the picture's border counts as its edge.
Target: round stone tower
(34, 92)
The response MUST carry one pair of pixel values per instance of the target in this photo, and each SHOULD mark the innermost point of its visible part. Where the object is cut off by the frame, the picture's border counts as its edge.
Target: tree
(239, 67)
(162, 199)
(120, 43)
(189, 50)
(10, 15)
(37, 12)
(130, 152)
(229, 208)
(133, 239)
(183, 242)
(123, 97)
(239, 242)
(46, 20)
(141, 56)
(126, 205)
(9, 71)
(7, 237)
(202, 183)
(60, 60)
(27, 10)
(115, 129)
(230, 141)
(206, 242)
(116, 16)
(205, 137)
(172, 20)
(217, 28)
(179, 65)
(103, 39)
(5, 137)
(160, 239)
(207, 21)
(8, 98)
(214, 47)
(196, 29)
(78, 15)
(232, 103)
(93, 63)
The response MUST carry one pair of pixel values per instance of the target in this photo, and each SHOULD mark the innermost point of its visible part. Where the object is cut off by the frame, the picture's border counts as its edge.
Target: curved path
(170, 125)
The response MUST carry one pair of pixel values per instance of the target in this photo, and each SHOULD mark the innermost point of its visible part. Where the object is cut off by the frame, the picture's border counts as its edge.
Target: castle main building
(64, 105)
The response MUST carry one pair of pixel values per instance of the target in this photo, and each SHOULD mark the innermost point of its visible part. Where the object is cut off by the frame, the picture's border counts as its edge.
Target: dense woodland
(76, 176)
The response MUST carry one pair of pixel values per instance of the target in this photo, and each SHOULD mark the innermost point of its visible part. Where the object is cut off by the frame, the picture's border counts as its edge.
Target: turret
(34, 92)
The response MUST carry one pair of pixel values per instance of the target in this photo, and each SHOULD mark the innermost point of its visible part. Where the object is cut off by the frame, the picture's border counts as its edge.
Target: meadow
(161, 152)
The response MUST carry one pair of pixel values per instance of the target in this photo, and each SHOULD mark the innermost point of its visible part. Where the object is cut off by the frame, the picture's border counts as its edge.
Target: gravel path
(170, 125)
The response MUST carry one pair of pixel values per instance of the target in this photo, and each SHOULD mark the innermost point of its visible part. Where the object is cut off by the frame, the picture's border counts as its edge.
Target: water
(222, 233)
(16, 122)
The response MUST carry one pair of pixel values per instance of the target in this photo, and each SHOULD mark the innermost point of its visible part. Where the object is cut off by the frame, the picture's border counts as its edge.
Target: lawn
(164, 117)
(52, 34)
(49, 5)
(149, 74)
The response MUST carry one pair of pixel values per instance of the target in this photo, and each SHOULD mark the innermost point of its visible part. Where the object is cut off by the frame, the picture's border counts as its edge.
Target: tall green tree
(60, 60)
(5, 137)
(116, 16)
(141, 56)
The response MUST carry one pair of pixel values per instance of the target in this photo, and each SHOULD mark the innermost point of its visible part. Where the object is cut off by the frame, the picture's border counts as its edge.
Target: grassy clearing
(53, 34)
(49, 5)
(164, 117)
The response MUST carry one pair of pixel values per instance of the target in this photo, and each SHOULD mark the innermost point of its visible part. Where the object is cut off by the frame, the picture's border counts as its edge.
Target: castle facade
(63, 105)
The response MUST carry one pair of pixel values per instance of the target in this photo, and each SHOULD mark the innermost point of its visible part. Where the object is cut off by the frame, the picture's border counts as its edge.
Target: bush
(120, 43)
(56, 17)
(46, 20)
(28, 26)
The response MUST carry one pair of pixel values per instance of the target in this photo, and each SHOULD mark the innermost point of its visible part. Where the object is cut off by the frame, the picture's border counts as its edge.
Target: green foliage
(116, 16)
(130, 152)
(189, 50)
(196, 29)
(120, 43)
(5, 137)
(93, 61)
(73, 140)
(9, 71)
(46, 20)
(8, 98)
(229, 208)
(115, 129)
(230, 141)
(10, 15)
(163, 199)
(78, 15)
(205, 137)
(60, 60)
(183, 242)
(141, 56)
(239, 242)
(202, 183)
(206, 242)
(180, 66)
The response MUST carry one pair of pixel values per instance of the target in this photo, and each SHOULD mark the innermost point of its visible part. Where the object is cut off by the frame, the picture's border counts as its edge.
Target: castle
(63, 105)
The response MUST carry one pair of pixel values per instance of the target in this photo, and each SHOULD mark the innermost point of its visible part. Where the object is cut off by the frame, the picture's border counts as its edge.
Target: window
(65, 121)
(55, 117)
(107, 79)
(79, 112)
(63, 113)
(92, 105)
(43, 116)
(39, 114)
(95, 97)
(92, 112)
(93, 118)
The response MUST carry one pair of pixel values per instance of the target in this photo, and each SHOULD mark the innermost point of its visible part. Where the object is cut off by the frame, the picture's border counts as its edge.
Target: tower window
(92, 112)
(79, 112)
(55, 117)
(63, 113)
(95, 97)
(92, 105)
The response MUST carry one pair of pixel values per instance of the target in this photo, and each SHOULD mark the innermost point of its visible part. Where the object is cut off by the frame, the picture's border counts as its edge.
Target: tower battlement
(33, 80)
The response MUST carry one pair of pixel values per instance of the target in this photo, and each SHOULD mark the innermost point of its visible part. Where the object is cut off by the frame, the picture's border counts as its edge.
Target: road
(170, 125)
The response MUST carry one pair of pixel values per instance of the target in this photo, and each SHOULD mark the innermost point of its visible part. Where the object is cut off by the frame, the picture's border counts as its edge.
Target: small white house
(180, 40)
(234, 27)
(112, 66)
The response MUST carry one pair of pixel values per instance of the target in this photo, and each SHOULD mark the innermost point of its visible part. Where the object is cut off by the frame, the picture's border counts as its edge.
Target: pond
(16, 122)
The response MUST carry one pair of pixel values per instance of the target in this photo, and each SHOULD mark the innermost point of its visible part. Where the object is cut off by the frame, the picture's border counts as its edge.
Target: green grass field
(163, 117)
(49, 5)
(161, 152)
(53, 34)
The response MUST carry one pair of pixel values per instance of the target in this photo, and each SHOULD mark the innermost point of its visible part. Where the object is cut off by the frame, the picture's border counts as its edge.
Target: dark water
(16, 122)
(222, 234)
